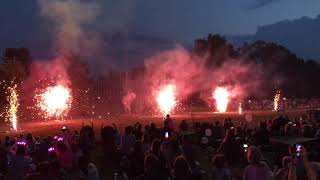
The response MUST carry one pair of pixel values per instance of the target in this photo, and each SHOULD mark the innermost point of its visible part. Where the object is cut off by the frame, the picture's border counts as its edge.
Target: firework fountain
(166, 98)
(127, 101)
(13, 107)
(221, 96)
(240, 109)
(55, 101)
(276, 101)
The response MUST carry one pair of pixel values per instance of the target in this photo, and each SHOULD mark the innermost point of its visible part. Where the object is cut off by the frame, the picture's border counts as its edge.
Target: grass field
(52, 127)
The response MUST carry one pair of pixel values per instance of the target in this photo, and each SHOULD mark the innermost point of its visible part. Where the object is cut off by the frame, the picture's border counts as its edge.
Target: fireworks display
(240, 109)
(55, 101)
(79, 79)
(166, 98)
(13, 107)
(127, 100)
(221, 96)
(276, 101)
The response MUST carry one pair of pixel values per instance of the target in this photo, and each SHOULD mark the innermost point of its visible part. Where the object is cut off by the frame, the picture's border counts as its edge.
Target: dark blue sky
(193, 19)
(182, 21)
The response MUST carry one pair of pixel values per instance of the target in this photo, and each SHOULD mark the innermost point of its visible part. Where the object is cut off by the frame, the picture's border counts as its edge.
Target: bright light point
(166, 99)
(55, 101)
(221, 95)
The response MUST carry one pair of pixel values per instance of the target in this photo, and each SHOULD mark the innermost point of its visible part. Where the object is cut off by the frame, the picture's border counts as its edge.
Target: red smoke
(190, 75)
(127, 101)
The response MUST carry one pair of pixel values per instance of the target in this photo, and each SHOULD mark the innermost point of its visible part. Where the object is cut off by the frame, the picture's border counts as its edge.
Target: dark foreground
(146, 153)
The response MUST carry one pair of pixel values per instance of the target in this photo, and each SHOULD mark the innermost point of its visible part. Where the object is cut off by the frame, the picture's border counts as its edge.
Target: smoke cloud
(175, 66)
(70, 20)
(190, 75)
(127, 101)
(69, 23)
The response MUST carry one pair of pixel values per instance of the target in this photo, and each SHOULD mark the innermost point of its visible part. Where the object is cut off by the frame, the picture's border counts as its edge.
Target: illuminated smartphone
(64, 128)
(166, 135)
(245, 146)
(232, 127)
(51, 149)
(298, 149)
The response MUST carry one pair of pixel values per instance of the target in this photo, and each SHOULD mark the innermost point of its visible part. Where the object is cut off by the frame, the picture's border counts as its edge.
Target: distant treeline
(281, 69)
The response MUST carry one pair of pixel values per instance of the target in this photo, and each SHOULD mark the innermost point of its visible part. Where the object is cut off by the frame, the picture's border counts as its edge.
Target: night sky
(196, 18)
(178, 21)
(175, 20)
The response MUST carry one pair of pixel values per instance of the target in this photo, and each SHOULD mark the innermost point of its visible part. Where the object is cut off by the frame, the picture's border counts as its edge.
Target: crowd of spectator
(168, 152)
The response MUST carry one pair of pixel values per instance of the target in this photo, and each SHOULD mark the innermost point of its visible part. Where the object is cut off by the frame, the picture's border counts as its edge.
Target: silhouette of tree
(215, 49)
(21, 55)
(15, 68)
(12, 71)
(281, 68)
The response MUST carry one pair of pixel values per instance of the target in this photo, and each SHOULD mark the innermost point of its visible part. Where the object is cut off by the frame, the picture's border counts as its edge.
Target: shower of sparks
(276, 101)
(166, 98)
(13, 107)
(221, 95)
(55, 101)
(240, 109)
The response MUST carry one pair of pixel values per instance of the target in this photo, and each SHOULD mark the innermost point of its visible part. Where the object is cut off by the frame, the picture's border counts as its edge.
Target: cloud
(299, 36)
(262, 3)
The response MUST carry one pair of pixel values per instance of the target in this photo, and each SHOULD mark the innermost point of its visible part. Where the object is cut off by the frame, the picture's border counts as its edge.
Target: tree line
(281, 69)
